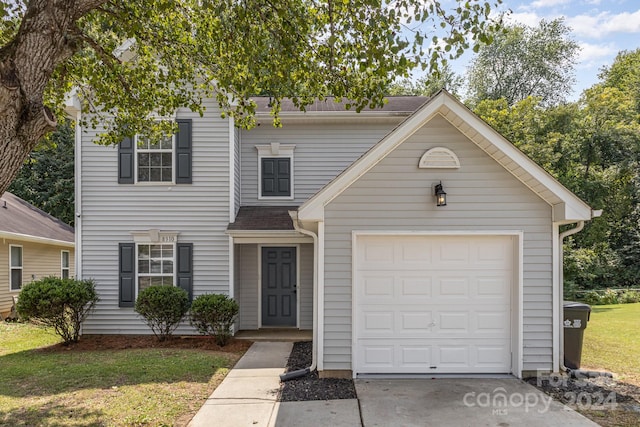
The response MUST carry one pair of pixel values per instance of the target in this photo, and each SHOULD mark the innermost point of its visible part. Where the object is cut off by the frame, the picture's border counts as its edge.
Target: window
(167, 160)
(155, 159)
(155, 265)
(15, 267)
(275, 167)
(64, 262)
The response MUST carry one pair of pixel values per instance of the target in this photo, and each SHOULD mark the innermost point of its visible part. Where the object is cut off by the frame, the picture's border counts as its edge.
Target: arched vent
(439, 158)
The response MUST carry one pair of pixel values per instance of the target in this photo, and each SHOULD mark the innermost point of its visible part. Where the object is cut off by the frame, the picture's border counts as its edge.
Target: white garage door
(433, 304)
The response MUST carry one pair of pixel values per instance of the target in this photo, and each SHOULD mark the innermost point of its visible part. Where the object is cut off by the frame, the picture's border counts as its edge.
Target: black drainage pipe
(294, 374)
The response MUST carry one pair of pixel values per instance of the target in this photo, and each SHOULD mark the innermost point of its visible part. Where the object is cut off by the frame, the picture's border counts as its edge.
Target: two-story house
(412, 239)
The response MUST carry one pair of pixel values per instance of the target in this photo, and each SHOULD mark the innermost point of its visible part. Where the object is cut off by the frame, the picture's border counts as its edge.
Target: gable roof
(567, 207)
(20, 220)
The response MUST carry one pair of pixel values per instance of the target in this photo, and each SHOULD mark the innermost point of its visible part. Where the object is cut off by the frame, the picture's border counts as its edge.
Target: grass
(134, 387)
(612, 341)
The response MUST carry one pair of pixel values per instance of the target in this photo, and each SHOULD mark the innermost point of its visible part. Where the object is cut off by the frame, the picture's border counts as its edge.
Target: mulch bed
(310, 386)
(122, 342)
(606, 401)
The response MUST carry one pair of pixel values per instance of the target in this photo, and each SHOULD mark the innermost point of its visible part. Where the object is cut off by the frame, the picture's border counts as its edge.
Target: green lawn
(135, 387)
(612, 341)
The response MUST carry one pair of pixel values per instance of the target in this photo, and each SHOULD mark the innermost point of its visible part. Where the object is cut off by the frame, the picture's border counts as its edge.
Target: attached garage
(434, 304)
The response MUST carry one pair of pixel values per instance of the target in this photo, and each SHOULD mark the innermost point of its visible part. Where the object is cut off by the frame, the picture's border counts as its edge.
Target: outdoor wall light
(441, 196)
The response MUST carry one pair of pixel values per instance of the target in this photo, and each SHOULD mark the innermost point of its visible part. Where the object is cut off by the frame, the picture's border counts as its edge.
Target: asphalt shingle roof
(263, 218)
(20, 217)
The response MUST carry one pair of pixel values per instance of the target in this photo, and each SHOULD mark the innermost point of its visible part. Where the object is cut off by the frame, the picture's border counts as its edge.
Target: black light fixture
(441, 196)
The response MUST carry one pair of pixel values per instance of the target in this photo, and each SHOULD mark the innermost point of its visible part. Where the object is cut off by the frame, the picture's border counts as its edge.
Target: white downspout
(314, 350)
(78, 197)
(560, 296)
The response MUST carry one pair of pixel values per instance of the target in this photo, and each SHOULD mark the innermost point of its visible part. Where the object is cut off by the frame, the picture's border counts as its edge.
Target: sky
(602, 28)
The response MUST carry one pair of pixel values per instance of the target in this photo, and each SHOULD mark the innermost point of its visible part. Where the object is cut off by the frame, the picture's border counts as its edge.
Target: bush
(162, 307)
(214, 315)
(629, 297)
(62, 304)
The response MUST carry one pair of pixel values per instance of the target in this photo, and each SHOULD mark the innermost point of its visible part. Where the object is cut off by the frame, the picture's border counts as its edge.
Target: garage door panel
(433, 304)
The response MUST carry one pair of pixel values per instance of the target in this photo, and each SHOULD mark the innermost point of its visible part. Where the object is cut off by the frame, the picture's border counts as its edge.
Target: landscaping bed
(606, 401)
(311, 386)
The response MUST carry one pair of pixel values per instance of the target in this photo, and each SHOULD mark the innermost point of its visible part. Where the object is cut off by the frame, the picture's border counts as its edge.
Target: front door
(279, 286)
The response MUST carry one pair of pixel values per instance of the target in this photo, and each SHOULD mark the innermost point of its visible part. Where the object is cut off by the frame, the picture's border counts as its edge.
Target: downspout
(77, 251)
(314, 351)
(560, 296)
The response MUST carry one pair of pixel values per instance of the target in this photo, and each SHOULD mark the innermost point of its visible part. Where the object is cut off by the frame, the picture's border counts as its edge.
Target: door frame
(516, 304)
(279, 245)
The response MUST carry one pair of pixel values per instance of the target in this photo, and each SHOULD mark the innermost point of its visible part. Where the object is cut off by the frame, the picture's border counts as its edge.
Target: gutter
(35, 239)
(314, 352)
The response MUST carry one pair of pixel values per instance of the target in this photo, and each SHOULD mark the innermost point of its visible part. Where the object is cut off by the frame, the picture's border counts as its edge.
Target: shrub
(214, 314)
(162, 307)
(62, 304)
(628, 297)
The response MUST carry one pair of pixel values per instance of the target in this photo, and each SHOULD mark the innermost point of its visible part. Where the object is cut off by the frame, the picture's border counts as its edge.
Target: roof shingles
(20, 217)
(263, 218)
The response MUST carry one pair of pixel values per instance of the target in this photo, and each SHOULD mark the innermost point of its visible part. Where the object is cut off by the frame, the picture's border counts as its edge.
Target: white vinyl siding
(198, 212)
(236, 168)
(397, 195)
(322, 151)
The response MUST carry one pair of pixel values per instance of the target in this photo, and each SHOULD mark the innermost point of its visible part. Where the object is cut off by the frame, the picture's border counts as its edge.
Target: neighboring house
(33, 245)
(330, 223)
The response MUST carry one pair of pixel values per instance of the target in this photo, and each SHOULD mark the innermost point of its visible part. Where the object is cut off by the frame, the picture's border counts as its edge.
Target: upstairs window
(155, 159)
(276, 177)
(164, 160)
(15, 267)
(275, 171)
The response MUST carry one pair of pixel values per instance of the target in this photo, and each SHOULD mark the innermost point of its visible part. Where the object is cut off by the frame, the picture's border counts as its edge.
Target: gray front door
(278, 286)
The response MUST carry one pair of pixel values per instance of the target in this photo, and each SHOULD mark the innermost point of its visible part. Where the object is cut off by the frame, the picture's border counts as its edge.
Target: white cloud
(593, 54)
(538, 4)
(605, 24)
(530, 19)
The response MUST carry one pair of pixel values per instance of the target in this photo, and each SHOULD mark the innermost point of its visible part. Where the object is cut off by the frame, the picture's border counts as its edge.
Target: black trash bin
(575, 318)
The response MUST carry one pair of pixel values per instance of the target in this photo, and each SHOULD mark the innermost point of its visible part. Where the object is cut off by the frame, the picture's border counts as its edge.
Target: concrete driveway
(460, 402)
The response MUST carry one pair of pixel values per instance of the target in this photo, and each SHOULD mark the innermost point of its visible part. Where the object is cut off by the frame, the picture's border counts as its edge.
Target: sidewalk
(248, 397)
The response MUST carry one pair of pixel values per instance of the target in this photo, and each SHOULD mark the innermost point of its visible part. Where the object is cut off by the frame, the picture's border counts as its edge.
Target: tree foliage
(444, 78)
(46, 180)
(62, 304)
(128, 59)
(593, 147)
(525, 61)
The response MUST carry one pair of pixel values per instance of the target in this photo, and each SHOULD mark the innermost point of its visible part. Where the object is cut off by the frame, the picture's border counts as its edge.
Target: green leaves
(178, 52)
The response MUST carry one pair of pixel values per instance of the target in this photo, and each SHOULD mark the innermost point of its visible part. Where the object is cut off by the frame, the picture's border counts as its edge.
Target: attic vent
(439, 158)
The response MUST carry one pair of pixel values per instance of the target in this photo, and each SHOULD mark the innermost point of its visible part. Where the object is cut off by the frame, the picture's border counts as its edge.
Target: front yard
(44, 383)
(612, 341)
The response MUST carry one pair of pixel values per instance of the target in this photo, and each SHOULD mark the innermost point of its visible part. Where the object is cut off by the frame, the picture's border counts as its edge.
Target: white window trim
(137, 150)
(154, 236)
(62, 267)
(11, 267)
(138, 244)
(275, 150)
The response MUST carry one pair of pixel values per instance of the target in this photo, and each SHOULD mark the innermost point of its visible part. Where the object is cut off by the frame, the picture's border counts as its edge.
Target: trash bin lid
(579, 306)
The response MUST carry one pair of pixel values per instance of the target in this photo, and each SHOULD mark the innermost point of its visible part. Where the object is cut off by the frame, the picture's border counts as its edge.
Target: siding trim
(517, 304)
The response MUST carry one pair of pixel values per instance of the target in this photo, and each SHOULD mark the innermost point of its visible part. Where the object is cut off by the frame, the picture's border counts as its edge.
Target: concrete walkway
(247, 397)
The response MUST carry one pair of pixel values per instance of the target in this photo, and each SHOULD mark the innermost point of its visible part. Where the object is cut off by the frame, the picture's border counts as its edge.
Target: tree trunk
(44, 40)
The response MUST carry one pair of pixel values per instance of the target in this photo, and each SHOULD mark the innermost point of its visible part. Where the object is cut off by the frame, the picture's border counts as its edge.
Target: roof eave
(35, 239)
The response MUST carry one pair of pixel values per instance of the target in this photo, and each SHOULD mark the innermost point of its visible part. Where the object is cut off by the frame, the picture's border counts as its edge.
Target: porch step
(275, 334)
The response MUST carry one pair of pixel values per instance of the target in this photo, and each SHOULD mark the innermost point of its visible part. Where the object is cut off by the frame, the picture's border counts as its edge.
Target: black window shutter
(185, 267)
(125, 161)
(127, 280)
(183, 152)
(276, 177)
